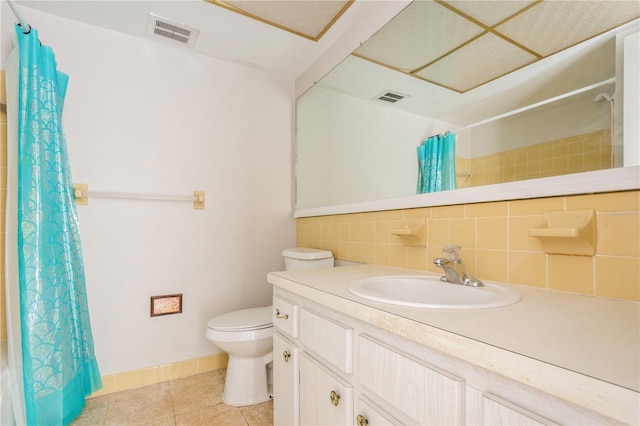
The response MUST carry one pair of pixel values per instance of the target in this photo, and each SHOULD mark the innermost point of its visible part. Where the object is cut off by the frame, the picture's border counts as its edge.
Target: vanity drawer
(327, 338)
(285, 316)
(425, 393)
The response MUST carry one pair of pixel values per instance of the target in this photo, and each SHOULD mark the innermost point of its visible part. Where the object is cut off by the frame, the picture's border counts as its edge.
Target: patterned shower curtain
(59, 365)
(437, 164)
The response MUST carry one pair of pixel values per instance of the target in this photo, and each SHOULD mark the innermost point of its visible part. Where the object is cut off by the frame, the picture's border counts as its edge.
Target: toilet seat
(243, 320)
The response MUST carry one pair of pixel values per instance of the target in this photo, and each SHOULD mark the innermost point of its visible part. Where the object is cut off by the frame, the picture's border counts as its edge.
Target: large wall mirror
(533, 90)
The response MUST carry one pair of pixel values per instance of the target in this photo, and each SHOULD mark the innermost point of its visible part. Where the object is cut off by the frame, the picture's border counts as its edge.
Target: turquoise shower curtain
(437, 163)
(59, 365)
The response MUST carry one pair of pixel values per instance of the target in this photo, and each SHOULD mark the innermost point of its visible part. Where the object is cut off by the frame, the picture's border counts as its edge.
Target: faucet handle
(452, 252)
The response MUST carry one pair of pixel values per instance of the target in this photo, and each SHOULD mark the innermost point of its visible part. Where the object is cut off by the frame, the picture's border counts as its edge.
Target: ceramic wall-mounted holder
(198, 200)
(568, 232)
(79, 191)
(413, 232)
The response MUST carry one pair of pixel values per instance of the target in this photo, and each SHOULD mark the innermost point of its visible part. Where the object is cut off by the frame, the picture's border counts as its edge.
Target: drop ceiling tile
(412, 40)
(481, 61)
(552, 26)
(490, 12)
(310, 17)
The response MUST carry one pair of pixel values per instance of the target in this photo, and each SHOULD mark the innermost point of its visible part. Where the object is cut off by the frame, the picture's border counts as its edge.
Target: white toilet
(247, 336)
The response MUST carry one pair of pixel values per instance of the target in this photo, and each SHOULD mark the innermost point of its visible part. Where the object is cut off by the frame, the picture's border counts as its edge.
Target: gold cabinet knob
(278, 315)
(361, 420)
(335, 398)
(286, 356)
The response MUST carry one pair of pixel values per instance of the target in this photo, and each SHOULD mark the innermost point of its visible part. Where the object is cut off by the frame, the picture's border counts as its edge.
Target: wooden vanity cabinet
(334, 369)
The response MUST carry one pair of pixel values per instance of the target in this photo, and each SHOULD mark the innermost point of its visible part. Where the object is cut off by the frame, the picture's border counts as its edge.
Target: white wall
(369, 145)
(146, 117)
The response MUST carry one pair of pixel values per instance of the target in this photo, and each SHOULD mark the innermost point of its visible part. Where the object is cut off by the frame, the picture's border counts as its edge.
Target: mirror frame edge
(600, 181)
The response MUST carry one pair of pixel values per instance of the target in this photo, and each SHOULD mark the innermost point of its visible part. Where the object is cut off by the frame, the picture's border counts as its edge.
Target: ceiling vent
(172, 31)
(390, 97)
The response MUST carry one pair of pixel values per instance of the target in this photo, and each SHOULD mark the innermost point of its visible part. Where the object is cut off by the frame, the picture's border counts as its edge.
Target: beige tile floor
(194, 400)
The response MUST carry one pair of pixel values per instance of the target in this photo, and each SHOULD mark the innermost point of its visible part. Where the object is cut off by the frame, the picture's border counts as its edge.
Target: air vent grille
(173, 31)
(390, 97)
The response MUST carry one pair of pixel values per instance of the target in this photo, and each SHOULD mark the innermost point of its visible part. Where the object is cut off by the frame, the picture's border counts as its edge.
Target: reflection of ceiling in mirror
(462, 44)
(309, 18)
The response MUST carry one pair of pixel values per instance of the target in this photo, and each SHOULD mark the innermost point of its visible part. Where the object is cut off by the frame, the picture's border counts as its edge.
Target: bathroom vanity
(552, 358)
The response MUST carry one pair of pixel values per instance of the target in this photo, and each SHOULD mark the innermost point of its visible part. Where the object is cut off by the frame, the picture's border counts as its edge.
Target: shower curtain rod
(82, 194)
(537, 104)
(14, 7)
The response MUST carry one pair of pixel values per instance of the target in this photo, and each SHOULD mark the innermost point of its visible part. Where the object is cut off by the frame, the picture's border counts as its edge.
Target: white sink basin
(429, 292)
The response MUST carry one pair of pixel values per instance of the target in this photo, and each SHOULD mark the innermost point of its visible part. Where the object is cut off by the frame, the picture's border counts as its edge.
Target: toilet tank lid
(244, 319)
(304, 253)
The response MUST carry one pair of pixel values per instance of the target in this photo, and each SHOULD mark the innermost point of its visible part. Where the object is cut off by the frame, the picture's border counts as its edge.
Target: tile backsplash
(495, 241)
(581, 153)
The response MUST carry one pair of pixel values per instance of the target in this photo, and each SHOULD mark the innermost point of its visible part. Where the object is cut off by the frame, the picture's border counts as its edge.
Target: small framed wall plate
(166, 305)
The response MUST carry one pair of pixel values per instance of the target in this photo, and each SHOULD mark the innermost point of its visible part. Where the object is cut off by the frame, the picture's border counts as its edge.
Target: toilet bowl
(247, 336)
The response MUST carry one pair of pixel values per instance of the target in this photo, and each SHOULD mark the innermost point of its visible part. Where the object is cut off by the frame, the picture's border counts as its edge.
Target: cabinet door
(425, 393)
(285, 382)
(496, 411)
(368, 414)
(325, 399)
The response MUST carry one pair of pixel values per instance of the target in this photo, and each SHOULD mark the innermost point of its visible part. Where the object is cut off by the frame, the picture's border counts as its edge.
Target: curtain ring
(25, 32)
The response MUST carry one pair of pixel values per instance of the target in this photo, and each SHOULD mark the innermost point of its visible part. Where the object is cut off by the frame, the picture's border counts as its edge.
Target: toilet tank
(306, 258)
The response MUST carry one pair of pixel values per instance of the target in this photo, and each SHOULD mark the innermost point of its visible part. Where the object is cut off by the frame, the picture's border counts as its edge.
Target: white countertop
(549, 335)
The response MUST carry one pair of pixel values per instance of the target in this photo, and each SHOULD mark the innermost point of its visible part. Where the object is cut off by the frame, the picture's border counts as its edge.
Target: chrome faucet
(454, 269)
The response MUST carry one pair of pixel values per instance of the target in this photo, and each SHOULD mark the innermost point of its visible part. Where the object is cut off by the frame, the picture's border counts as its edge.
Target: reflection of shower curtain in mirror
(58, 362)
(437, 163)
